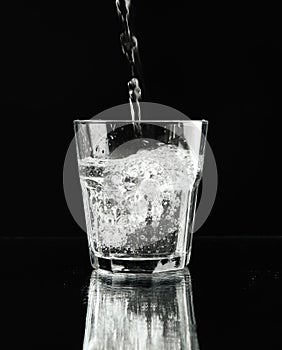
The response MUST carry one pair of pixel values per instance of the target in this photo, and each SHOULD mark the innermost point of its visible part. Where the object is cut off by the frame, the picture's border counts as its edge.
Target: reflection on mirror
(127, 311)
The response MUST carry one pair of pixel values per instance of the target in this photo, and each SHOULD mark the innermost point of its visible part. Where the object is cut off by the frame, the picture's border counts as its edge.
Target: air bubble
(124, 194)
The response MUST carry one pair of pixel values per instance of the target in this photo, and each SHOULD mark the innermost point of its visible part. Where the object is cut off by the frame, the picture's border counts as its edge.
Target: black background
(62, 63)
(59, 63)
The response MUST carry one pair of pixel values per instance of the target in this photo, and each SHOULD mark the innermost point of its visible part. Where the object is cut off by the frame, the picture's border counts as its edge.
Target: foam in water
(138, 205)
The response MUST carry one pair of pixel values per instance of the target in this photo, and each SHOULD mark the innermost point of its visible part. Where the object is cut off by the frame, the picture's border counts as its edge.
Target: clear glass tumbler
(139, 183)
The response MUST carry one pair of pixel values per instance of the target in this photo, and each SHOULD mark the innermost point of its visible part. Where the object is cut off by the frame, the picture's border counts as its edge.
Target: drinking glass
(139, 183)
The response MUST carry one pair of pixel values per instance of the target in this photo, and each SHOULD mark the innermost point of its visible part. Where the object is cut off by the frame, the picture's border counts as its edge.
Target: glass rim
(97, 121)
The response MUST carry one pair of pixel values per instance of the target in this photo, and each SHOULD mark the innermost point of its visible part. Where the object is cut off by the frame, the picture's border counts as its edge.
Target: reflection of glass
(128, 311)
(139, 185)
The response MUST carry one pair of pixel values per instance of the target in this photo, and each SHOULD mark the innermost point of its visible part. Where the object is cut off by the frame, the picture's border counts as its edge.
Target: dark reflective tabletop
(140, 312)
(230, 298)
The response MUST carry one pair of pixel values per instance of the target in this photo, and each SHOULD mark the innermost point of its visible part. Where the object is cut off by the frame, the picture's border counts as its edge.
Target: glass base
(147, 265)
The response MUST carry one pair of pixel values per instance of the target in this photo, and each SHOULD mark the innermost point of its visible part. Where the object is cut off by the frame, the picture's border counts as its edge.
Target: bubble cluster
(138, 204)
